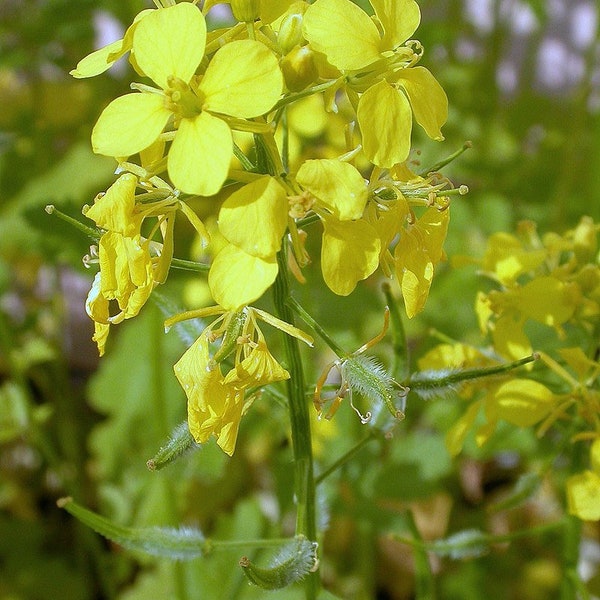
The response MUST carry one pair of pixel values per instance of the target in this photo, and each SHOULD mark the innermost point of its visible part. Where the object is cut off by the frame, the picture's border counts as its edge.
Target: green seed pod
(293, 563)
(180, 442)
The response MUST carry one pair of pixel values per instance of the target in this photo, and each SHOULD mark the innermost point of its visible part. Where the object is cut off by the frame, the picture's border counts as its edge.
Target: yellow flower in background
(378, 64)
(242, 80)
(583, 489)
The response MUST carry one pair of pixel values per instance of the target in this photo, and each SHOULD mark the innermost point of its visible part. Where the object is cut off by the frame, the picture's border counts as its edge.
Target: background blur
(523, 80)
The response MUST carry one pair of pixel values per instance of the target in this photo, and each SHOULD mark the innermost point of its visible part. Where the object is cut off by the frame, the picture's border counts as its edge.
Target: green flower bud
(298, 68)
(290, 33)
(245, 11)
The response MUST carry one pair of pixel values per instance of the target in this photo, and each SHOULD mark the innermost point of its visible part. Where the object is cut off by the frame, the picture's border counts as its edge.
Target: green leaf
(183, 543)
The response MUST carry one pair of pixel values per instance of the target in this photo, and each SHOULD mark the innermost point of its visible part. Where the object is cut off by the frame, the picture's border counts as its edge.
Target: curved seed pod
(293, 563)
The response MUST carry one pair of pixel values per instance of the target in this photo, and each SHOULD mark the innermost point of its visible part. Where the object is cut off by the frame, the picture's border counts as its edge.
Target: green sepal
(293, 563)
(180, 442)
(183, 543)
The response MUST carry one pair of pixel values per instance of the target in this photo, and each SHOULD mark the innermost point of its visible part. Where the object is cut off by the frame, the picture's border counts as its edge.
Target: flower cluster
(540, 284)
(189, 124)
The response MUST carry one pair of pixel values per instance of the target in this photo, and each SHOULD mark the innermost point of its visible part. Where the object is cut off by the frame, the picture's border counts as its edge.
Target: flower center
(182, 100)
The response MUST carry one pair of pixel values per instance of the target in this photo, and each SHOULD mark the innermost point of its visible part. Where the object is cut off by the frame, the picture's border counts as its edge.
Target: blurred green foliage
(71, 426)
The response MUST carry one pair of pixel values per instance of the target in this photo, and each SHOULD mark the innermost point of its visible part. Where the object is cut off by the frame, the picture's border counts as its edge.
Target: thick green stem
(304, 481)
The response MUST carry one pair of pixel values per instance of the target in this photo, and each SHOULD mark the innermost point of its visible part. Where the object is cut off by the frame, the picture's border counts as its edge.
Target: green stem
(299, 310)
(342, 460)
(442, 163)
(161, 424)
(189, 265)
(432, 383)
(291, 98)
(401, 365)
(304, 482)
(89, 231)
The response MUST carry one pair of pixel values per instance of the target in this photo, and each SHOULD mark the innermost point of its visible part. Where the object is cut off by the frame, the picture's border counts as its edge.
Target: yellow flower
(583, 489)
(242, 80)
(214, 408)
(115, 210)
(351, 246)
(416, 255)
(253, 220)
(216, 403)
(377, 63)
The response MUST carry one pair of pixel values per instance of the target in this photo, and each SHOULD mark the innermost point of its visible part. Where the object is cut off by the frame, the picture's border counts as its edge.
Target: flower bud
(290, 32)
(245, 11)
(298, 68)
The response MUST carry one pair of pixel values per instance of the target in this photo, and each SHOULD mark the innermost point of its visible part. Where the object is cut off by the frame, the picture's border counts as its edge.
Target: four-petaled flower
(242, 81)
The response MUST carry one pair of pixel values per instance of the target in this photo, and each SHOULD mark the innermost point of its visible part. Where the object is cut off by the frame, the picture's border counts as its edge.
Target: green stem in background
(442, 163)
(342, 460)
(189, 265)
(297, 308)
(424, 580)
(401, 364)
(572, 588)
(304, 482)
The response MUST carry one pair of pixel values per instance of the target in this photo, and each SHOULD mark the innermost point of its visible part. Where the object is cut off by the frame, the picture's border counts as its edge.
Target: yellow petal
(427, 98)
(99, 61)
(170, 41)
(583, 495)
(200, 155)
(399, 18)
(257, 369)
(456, 435)
(96, 305)
(349, 253)
(129, 124)
(242, 80)
(337, 185)
(385, 121)
(236, 278)
(433, 226)
(114, 211)
(595, 455)
(547, 300)
(414, 270)
(522, 402)
(254, 218)
(343, 32)
(509, 337)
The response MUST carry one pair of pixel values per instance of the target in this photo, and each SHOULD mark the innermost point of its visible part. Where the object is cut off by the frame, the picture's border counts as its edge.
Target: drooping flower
(242, 81)
(216, 403)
